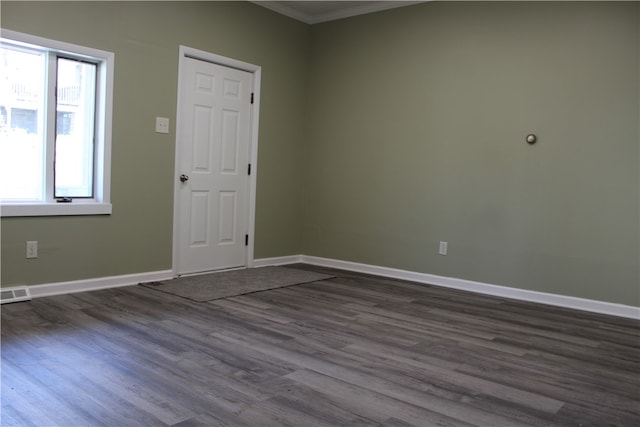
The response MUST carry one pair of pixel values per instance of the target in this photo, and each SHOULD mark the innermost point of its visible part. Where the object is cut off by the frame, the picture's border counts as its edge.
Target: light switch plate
(162, 125)
(32, 249)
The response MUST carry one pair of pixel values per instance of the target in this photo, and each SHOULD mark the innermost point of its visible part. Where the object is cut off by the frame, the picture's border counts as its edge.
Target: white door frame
(188, 52)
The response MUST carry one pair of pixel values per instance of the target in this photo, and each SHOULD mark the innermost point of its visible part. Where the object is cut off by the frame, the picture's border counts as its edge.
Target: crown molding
(370, 7)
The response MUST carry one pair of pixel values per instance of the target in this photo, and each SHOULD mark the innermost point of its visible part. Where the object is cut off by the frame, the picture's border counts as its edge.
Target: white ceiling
(313, 12)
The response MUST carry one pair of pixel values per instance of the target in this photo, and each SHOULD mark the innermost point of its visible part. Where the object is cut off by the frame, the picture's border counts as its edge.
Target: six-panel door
(213, 138)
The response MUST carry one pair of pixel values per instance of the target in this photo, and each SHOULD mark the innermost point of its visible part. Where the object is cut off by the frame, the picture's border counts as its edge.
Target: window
(55, 127)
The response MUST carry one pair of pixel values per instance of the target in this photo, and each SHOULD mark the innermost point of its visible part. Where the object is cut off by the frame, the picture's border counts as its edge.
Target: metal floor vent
(14, 295)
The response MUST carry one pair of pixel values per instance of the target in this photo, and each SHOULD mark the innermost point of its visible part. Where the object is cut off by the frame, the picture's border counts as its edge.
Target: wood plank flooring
(355, 350)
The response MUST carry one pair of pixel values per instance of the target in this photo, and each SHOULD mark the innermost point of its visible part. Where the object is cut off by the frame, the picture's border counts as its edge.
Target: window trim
(100, 204)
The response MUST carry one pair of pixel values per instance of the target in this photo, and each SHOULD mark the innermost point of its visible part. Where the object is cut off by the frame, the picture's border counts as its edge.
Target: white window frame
(100, 204)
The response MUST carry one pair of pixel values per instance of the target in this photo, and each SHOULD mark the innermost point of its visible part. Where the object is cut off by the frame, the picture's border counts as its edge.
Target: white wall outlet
(442, 250)
(32, 249)
(162, 125)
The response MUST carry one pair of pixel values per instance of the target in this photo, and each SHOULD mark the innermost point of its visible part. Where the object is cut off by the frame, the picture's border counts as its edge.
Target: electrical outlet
(32, 249)
(162, 125)
(442, 250)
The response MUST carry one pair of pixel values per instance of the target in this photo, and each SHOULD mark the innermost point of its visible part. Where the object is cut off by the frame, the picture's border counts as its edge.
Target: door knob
(184, 178)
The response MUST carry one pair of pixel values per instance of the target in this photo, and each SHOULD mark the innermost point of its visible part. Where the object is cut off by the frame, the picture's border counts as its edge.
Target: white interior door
(213, 148)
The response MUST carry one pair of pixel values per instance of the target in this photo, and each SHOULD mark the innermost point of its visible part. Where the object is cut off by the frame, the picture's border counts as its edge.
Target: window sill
(55, 209)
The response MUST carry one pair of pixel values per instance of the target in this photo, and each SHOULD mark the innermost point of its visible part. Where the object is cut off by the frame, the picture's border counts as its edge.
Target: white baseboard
(60, 288)
(594, 306)
(282, 260)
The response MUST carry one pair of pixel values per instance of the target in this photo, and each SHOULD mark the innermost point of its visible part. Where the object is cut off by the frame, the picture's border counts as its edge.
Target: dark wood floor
(355, 350)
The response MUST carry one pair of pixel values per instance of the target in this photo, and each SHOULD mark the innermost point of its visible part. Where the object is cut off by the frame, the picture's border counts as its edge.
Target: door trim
(188, 52)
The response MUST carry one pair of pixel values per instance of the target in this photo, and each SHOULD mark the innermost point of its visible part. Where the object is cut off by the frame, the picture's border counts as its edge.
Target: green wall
(145, 38)
(419, 117)
(380, 135)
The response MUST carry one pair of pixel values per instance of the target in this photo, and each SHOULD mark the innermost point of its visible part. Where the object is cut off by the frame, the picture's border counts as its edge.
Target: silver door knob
(184, 178)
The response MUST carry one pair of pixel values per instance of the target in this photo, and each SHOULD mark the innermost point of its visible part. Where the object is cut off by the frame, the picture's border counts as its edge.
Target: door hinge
(249, 169)
(252, 97)
(246, 240)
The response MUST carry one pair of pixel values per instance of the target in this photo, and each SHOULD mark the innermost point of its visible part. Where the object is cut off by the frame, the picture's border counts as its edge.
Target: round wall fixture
(532, 138)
